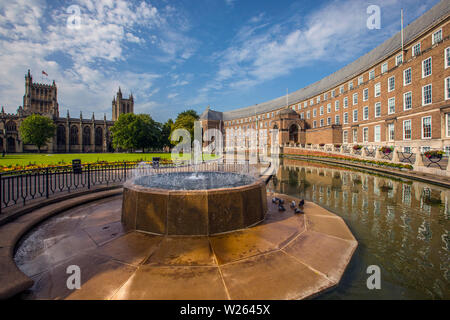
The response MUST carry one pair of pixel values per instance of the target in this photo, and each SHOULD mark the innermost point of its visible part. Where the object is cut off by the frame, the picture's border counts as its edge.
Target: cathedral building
(72, 135)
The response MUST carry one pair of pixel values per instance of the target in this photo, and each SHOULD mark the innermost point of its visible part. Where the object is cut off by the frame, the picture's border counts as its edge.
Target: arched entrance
(11, 144)
(293, 133)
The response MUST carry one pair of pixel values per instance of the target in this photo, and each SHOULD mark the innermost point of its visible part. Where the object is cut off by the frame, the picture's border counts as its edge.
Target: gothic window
(61, 135)
(98, 136)
(11, 126)
(86, 135)
(74, 135)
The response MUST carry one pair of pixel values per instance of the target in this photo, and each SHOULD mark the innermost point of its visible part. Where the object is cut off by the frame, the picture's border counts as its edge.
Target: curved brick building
(389, 96)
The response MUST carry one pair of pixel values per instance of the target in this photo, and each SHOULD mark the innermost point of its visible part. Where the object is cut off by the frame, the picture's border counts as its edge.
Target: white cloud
(262, 50)
(172, 95)
(34, 35)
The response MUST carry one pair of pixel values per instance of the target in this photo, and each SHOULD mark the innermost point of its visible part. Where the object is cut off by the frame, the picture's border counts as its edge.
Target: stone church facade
(72, 135)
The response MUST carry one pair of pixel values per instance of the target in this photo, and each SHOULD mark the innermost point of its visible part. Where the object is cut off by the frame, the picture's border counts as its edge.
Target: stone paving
(288, 256)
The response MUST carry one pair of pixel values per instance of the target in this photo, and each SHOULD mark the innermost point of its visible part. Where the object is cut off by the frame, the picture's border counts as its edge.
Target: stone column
(80, 137)
(395, 155)
(419, 160)
(377, 153)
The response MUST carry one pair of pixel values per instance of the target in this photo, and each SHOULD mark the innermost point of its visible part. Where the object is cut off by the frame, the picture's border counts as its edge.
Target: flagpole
(402, 28)
(287, 98)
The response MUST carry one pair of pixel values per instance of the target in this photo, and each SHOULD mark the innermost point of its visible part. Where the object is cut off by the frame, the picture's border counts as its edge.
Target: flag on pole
(43, 72)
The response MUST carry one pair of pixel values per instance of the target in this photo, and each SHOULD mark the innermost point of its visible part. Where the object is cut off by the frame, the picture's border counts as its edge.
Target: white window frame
(447, 124)
(432, 37)
(328, 107)
(446, 88)
(345, 102)
(321, 122)
(345, 120)
(355, 119)
(431, 127)
(423, 67)
(404, 101)
(366, 97)
(345, 136)
(389, 105)
(410, 77)
(366, 114)
(384, 67)
(391, 125)
(341, 89)
(321, 111)
(423, 94)
(396, 59)
(447, 57)
(389, 84)
(336, 105)
(375, 109)
(314, 112)
(414, 49)
(350, 85)
(410, 127)
(328, 121)
(355, 95)
(372, 74)
(375, 133)
(365, 137)
(355, 135)
(377, 85)
(337, 119)
(314, 124)
(360, 80)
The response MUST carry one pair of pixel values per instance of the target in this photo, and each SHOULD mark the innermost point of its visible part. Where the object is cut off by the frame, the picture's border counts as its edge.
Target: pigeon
(281, 201)
(298, 211)
(274, 200)
(281, 208)
(293, 204)
(301, 203)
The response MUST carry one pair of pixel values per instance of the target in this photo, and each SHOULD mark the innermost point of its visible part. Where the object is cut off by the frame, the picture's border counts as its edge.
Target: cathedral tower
(40, 98)
(121, 105)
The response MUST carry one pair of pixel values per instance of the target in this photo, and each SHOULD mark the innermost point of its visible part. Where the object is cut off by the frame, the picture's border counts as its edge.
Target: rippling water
(401, 225)
(194, 180)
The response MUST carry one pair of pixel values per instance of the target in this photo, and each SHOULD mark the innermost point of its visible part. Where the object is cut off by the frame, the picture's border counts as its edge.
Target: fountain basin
(206, 210)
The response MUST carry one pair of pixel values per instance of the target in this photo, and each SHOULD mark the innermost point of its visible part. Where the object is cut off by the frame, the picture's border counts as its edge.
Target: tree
(189, 112)
(37, 130)
(133, 131)
(166, 129)
(185, 120)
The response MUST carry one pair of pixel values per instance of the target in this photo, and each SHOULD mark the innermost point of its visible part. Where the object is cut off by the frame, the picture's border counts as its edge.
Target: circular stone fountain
(193, 203)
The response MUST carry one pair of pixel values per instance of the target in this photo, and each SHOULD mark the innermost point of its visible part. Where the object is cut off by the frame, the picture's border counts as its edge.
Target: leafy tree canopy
(37, 130)
(133, 131)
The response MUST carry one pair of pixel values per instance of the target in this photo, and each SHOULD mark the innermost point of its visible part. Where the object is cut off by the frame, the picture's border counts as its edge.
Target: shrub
(357, 147)
(386, 150)
(434, 154)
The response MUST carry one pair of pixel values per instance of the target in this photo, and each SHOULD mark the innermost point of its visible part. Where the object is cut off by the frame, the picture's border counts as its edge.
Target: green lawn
(66, 158)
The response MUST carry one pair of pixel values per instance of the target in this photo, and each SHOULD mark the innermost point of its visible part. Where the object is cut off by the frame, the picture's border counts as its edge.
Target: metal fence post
(46, 183)
(1, 193)
(89, 176)
(124, 171)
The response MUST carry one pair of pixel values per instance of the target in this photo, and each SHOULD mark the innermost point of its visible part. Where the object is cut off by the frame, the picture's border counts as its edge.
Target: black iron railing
(21, 187)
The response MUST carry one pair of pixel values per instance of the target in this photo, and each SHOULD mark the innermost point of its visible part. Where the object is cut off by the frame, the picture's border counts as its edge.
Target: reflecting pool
(401, 225)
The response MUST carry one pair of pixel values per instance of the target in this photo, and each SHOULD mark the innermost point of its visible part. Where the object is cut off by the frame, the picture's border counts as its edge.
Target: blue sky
(176, 54)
